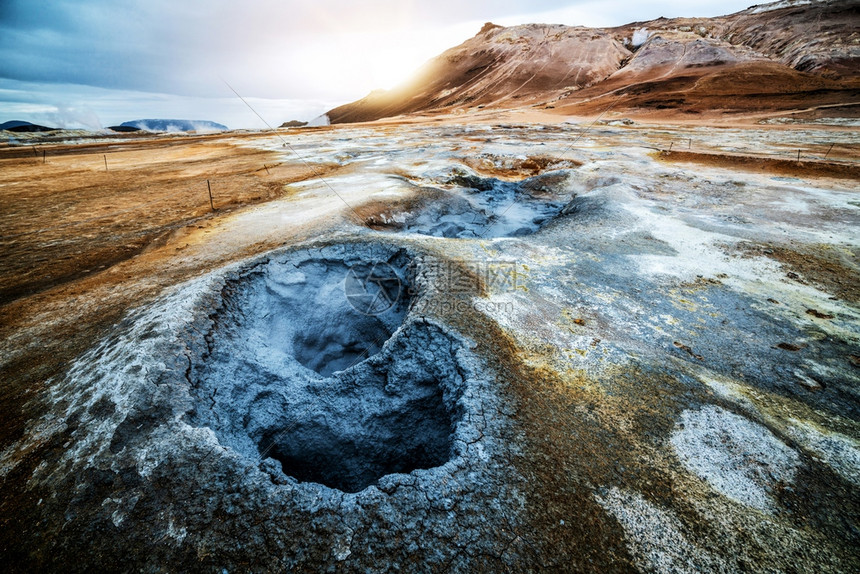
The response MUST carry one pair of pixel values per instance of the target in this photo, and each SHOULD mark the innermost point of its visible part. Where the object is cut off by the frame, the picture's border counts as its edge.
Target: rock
(818, 314)
(808, 382)
(790, 346)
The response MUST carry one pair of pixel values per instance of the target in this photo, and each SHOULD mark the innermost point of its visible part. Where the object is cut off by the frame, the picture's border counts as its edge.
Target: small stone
(808, 382)
(818, 314)
(790, 346)
(688, 349)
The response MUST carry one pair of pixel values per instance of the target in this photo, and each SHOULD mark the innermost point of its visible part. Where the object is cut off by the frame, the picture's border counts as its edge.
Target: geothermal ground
(497, 343)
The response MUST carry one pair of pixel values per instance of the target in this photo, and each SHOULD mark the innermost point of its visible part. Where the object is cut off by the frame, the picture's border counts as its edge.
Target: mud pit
(203, 392)
(468, 206)
(286, 324)
(300, 310)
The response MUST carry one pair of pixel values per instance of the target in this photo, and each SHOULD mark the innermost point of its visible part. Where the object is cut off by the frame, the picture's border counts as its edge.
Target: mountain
(125, 129)
(22, 126)
(175, 125)
(786, 55)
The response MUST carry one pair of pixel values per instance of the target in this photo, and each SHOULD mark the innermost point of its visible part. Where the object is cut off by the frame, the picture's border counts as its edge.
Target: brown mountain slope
(498, 66)
(781, 56)
(757, 87)
(822, 37)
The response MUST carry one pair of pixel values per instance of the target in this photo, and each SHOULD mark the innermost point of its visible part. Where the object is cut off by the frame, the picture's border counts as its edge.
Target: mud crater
(463, 204)
(295, 377)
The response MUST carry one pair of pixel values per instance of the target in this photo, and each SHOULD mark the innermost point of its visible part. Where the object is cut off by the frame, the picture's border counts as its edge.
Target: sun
(391, 58)
(392, 69)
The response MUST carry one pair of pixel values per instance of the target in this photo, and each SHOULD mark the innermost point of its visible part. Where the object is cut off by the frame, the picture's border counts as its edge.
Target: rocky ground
(491, 345)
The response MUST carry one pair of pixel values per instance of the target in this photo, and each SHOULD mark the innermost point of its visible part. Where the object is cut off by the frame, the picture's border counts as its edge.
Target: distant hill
(788, 55)
(175, 125)
(22, 126)
(124, 128)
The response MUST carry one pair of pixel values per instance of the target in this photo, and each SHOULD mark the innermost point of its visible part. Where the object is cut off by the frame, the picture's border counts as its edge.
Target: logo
(372, 289)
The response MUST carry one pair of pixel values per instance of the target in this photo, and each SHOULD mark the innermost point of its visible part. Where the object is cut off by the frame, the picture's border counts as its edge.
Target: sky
(95, 63)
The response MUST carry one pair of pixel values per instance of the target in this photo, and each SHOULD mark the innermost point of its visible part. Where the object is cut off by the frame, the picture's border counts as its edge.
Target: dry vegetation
(74, 215)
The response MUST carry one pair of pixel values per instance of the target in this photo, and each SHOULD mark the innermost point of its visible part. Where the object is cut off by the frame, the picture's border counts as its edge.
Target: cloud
(77, 106)
(291, 55)
(270, 48)
(183, 47)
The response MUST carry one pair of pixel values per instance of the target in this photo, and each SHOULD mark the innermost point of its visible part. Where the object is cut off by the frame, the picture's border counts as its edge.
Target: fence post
(211, 203)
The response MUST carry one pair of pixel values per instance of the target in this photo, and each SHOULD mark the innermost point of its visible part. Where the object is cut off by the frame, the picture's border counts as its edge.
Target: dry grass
(802, 168)
(71, 217)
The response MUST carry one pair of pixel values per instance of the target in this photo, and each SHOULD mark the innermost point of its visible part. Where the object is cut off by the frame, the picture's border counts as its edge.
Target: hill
(22, 126)
(781, 56)
(175, 125)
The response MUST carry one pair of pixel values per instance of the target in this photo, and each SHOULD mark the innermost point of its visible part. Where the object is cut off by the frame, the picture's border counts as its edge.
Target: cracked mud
(394, 413)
